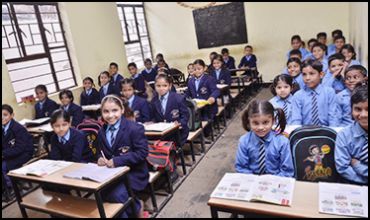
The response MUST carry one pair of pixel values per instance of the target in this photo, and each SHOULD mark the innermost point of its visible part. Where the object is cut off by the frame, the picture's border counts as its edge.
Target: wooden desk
(50, 202)
(40, 129)
(305, 205)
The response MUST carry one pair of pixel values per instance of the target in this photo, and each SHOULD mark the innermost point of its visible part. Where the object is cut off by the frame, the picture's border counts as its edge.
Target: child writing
(318, 52)
(45, 106)
(75, 111)
(139, 80)
(294, 69)
(122, 143)
(315, 104)
(138, 105)
(351, 150)
(115, 77)
(149, 73)
(350, 55)
(90, 95)
(281, 88)
(220, 73)
(106, 87)
(249, 61)
(67, 143)
(262, 150)
(17, 145)
(352, 76)
(334, 75)
(169, 106)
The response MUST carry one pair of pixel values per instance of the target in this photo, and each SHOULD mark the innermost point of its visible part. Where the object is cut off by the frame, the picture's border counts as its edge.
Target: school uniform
(127, 145)
(248, 61)
(222, 76)
(149, 75)
(298, 80)
(354, 62)
(139, 83)
(90, 97)
(141, 109)
(230, 63)
(337, 83)
(107, 89)
(304, 52)
(71, 147)
(75, 111)
(308, 56)
(116, 81)
(325, 65)
(17, 148)
(305, 112)
(285, 104)
(156, 67)
(204, 88)
(344, 110)
(170, 108)
(277, 160)
(331, 50)
(45, 108)
(352, 143)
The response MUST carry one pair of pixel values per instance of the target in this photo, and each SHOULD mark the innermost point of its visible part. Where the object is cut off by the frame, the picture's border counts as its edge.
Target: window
(135, 32)
(34, 48)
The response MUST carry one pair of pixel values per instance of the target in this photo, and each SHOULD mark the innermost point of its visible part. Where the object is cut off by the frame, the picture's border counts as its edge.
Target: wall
(94, 38)
(359, 30)
(269, 27)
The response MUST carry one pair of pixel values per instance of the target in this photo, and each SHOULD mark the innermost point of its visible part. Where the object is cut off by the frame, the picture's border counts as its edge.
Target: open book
(248, 187)
(28, 123)
(162, 126)
(93, 172)
(91, 107)
(343, 199)
(42, 168)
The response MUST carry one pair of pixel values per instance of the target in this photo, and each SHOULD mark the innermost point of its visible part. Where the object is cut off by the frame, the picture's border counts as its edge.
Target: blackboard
(220, 25)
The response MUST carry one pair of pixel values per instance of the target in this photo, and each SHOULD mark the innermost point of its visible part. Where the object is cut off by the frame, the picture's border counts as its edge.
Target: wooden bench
(192, 136)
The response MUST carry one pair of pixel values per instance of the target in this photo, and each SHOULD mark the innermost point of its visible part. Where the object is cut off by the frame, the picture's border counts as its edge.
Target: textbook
(249, 187)
(343, 199)
(91, 107)
(201, 102)
(35, 122)
(42, 168)
(162, 126)
(93, 172)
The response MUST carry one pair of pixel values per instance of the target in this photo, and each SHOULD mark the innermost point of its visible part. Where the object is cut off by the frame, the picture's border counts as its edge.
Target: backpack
(162, 155)
(91, 129)
(313, 154)
(194, 122)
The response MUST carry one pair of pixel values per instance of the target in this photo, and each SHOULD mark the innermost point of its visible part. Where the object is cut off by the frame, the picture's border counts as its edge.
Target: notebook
(94, 173)
(28, 123)
(91, 107)
(42, 168)
(162, 126)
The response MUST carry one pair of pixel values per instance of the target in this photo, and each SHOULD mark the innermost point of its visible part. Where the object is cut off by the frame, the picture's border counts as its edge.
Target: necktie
(315, 110)
(261, 158)
(285, 109)
(112, 138)
(4, 132)
(364, 152)
(41, 104)
(63, 140)
(162, 107)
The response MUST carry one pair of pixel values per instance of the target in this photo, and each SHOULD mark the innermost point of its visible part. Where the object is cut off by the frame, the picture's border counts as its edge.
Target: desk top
(57, 178)
(305, 204)
(40, 129)
(91, 107)
(162, 133)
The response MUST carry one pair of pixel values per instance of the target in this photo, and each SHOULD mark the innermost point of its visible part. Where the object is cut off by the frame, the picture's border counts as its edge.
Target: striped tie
(261, 158)
(315, 110)
(285, 109)
(364, 153)
(112, 138)
(162, 107)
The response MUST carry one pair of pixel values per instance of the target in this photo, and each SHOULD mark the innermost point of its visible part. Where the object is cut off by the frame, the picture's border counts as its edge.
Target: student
(68, 144)
(310, 44)
(149, 73)
(293, 54)
(75, 111)
(115, 76)
(190, 69)
(296, 43)
(17, 145)
(122, 143)
(138, 105)
(249, 61)
(220, 73)
(106, 86)
(169, 106)
(318, 52)
(331, 47)
(212, 55)
(90, 95)
(322, 37)
(45, 106)
(203, 86)
(229, 61)
(161, 67)
(294, 70)
(351, 149)
(160, 57)
(339, 42)
(334, 76)
(281, 88)
(350, 55)
(138, 80)
(315, 104)
(262, 150)
(352, 76)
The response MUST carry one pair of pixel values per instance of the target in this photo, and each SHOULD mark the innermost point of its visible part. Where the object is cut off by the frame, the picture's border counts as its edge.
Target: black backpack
(313, 154)
(194, 116)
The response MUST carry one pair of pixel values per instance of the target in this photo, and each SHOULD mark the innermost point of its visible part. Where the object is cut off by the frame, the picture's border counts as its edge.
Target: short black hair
(132, 64)
(224, 50)
(315, 64)
(360, 68)
(321, 34)
(66, 92)
(360, 94)
(295, 52)
(340, 37)
(113, 64)
(41, 87)
(336, 32)
(7, 108)
(336, 56)
(59, 113)
(296, 37)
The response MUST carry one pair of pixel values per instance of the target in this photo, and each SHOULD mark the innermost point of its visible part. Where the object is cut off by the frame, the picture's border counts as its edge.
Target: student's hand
(102, 161)
(354, 162)
(211, 100)
(110, 163)
(177, 123)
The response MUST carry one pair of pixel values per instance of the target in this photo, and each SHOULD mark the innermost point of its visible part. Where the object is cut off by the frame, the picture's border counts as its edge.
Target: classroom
(184, 109)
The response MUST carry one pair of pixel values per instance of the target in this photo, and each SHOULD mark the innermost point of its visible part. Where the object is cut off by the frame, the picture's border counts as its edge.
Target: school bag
(162, 155)
(313, 154)
(194, 122)
(91, 129)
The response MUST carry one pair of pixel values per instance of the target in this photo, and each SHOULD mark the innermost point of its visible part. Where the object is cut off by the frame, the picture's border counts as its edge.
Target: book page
(343, 199)
(162, 126)
(94, 172)
(91, 107)
(42, 168)
(26, 121)
(274, 189)
(235, 186)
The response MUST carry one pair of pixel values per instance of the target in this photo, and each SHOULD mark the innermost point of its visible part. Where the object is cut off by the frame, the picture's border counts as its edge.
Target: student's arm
(343, 160)
(145, 112)
(184, 113)
(333, 117)
(23, 144)
(80, 143)
(215, 92)
(137, 153)
(296, 109)
(361, 169)
(242, 159)
(286, 162)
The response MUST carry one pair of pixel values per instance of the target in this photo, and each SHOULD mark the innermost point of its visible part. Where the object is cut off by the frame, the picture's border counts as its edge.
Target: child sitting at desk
(75, 111)
(45, 106)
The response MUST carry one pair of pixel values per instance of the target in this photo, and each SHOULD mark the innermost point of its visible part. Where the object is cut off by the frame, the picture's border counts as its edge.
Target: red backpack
(162, 155)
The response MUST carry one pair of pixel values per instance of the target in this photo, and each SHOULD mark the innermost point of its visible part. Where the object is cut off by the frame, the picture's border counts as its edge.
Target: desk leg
(214, 212)
(181, 152)
(19, 198)
(99, 203)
